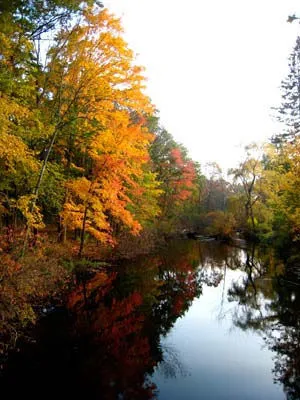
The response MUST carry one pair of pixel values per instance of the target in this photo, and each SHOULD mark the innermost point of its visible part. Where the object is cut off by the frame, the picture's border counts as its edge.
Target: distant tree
(248, 174)
(215, 191)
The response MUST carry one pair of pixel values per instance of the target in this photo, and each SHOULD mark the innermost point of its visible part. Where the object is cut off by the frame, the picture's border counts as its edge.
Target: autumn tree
(84, 102)
(177, 173)
(281, 192)
(110, 196)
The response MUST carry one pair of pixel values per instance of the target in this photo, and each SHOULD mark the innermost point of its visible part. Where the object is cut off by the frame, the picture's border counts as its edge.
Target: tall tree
(289, 110)
(90, 81)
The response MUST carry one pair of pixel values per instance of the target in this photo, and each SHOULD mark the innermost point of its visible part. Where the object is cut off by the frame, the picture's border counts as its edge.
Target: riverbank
(40, 280)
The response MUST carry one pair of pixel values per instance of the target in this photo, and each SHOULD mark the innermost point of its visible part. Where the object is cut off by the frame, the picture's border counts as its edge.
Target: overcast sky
(214, 67)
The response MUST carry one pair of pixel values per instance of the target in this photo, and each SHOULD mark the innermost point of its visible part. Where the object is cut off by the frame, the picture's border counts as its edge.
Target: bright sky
(214, 67)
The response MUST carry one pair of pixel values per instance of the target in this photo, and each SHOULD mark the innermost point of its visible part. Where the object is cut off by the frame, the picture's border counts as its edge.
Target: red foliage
(184, 179)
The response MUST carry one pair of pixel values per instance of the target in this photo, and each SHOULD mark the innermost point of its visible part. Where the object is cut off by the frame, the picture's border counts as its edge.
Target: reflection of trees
(215, 259)
(216, 254)
(287, 360)
(144, 301)
(268, 301)
(285, 340)
(177, 292)
(247, 292)
(171, 365)
(110, 342)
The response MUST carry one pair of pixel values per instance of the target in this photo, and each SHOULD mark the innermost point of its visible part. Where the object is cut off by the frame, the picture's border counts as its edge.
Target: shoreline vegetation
(87, 173)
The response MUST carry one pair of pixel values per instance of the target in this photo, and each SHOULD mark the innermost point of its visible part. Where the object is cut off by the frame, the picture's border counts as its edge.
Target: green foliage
(52, 192)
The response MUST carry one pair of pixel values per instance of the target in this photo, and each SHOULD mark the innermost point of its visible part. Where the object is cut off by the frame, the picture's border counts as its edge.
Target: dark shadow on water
(107, 341)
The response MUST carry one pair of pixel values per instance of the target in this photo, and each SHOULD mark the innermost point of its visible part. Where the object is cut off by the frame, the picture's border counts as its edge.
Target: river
(197, 320)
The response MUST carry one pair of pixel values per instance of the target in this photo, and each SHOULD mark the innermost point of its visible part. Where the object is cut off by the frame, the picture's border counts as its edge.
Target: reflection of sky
(219, 361)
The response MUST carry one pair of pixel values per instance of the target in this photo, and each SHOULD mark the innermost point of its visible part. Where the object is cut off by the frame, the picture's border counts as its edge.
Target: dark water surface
(196, 321)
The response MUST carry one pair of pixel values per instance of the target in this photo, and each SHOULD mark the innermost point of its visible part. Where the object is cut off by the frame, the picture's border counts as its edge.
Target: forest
(89, 174)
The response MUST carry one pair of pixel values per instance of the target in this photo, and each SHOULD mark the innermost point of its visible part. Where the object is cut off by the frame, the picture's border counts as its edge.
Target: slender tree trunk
(252, 218)
(58, 127)
(37, 187)
(65, 234)
(63, 227)
(61, 231)
(83, 232)
(249, 213)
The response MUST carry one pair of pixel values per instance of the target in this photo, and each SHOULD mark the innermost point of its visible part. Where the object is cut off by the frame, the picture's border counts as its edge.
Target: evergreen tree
(289, 110)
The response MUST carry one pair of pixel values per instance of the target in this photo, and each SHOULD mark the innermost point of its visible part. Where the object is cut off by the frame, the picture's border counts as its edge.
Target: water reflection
(268, 301)
(112, 339)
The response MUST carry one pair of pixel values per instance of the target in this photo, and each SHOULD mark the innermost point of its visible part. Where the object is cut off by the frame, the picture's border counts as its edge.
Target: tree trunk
(38, 185)
(82, 232)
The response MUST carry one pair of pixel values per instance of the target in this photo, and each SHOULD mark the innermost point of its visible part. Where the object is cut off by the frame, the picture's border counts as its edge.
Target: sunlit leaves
(118, 156)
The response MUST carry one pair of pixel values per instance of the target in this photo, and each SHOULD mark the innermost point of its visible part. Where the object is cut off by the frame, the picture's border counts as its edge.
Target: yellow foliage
(32, 214)
(13, 151)
(118, 155)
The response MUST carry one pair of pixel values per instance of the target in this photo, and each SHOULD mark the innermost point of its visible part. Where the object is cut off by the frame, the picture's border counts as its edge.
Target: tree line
(83, 153)
(81, 146)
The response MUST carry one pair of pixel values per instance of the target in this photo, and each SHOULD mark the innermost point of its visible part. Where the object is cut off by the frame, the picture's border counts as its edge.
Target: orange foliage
(118, 155)
(105, 89)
